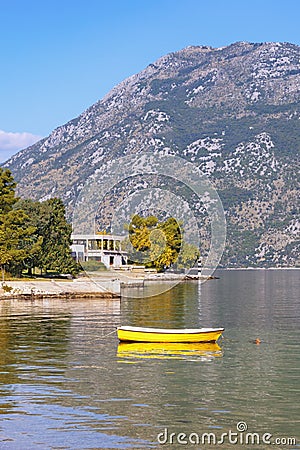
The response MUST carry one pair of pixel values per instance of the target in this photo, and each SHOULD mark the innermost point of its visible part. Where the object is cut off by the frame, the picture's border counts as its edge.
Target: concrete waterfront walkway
(80, 287)
(106, 284)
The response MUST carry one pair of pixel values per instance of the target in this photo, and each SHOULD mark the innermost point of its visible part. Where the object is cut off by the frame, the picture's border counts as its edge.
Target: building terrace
(100, 247)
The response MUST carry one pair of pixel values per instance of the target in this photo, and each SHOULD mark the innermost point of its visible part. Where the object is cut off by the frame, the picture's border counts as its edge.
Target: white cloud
(11, 143)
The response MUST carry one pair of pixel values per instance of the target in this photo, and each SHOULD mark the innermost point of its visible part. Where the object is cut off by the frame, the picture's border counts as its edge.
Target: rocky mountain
(233, 111)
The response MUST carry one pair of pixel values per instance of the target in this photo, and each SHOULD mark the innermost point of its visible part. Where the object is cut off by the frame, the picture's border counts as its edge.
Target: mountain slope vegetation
(233, 111)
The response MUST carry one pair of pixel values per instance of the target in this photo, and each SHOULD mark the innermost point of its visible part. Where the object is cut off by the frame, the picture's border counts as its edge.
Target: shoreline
(97, 285)
(62, 295)
(107, 285)
(258, 268)
(54, 288)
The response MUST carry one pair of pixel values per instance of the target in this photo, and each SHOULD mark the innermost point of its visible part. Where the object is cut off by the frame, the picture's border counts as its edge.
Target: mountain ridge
(233, 111)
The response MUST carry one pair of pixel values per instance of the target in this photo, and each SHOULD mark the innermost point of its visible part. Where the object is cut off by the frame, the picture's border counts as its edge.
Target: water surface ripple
(66, 383)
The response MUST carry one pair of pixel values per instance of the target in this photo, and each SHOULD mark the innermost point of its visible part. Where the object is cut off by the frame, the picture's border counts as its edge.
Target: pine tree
(7, 191)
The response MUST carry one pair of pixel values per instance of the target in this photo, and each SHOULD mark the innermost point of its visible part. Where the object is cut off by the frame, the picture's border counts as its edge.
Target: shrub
(92, 265)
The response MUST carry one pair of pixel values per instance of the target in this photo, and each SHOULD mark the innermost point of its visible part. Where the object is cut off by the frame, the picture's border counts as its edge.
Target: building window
(92, 244)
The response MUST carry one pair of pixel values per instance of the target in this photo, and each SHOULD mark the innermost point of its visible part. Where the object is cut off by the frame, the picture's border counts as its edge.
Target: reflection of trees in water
(31, 341)
(174, 308)
(257, 383)
(146, 391)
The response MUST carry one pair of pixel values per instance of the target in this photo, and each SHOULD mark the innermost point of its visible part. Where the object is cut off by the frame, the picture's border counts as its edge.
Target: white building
(100, 247)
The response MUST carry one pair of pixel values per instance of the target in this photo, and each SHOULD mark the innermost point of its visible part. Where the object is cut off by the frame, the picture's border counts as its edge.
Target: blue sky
(61, 56)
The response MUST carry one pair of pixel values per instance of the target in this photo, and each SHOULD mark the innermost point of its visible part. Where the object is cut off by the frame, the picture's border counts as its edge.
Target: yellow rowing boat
(140, 334)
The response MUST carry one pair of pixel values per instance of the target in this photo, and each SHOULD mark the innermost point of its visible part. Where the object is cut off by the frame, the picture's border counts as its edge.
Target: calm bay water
(65, 383)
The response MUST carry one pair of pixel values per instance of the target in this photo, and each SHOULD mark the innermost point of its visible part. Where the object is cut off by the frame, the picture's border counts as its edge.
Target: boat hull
(137, 334)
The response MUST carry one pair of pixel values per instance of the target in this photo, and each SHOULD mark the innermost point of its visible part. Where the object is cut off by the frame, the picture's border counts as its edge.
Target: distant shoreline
(102, 285)
(258, 268)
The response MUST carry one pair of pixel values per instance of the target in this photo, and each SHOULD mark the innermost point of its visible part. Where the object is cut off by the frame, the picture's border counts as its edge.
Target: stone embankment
(102, 285)
(81, 287)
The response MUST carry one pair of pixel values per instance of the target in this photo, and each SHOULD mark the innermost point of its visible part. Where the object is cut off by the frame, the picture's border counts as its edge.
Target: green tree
(56, 254)
(33, 246)
(166, 243)
(53, 234)
(188, 256)
(15, 241)
(139, 232)
(7, 191)
(32, 233)
(15, 230)
(155, 243)
(159, 244)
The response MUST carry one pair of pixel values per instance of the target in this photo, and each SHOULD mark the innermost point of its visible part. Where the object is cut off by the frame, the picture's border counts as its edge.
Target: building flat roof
(97, 236)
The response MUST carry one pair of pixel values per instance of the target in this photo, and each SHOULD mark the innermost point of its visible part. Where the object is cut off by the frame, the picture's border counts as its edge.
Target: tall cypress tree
(56, 232)
(7, 191)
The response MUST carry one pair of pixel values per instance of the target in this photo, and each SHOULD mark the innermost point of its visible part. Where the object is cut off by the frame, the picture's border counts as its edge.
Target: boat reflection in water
(168, 350)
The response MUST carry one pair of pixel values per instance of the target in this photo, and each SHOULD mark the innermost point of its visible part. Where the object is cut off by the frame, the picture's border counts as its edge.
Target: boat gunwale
(170, 330)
